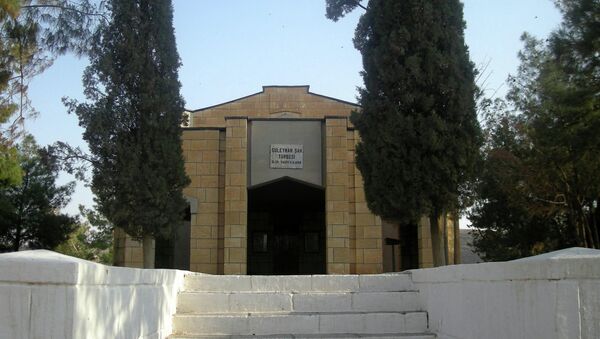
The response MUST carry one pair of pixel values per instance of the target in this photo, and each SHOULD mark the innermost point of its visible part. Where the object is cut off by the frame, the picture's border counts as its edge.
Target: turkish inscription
(287, 156)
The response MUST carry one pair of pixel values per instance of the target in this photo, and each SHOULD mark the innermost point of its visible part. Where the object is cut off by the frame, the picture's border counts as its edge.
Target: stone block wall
(274, 101)
(236, 197)
(352, 170)
(216, 154)
(221, 235)
(369, 248)
(128, 252)
(337, 217)
(425, 246)
(202, 154)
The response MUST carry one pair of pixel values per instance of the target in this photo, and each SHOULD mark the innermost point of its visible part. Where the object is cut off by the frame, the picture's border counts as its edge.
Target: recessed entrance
(173, 252)
(286, 228)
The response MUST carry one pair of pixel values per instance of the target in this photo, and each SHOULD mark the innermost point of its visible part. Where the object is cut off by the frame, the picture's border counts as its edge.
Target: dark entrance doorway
(409, 247)
(173, 251)
(286, 228)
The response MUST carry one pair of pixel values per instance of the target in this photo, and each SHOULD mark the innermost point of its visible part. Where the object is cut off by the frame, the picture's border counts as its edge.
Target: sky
(231, 48)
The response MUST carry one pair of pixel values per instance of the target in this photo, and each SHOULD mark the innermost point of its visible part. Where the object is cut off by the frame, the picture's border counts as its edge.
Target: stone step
(312, 336)
(301, 323)
(222, 302)
(300, 283)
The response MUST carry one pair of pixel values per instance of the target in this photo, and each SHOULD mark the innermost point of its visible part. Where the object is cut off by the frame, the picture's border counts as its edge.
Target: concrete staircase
(319, 306)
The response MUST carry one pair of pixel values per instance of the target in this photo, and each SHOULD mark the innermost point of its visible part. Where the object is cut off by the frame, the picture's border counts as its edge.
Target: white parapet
(49, 295)
(554, 295)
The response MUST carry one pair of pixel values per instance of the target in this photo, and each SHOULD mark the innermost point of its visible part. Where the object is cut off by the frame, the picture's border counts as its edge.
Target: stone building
(274, 190)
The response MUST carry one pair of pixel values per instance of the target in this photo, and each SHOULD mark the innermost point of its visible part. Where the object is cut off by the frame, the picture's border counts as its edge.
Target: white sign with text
(287, 156)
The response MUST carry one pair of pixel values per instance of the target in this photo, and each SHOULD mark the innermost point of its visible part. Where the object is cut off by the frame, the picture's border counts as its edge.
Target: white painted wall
(47, 295)
(555, 295)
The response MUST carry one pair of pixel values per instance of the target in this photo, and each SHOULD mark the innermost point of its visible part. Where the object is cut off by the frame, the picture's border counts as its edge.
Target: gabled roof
(305, 88)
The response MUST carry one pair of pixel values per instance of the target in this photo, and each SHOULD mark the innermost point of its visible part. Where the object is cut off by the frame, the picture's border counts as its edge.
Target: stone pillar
(425, 247)
(351, 136)
(369, 237)
(127, 251)
(236, 196)
(118, 247)
(336, 196)
(201, 151)
(221, 255)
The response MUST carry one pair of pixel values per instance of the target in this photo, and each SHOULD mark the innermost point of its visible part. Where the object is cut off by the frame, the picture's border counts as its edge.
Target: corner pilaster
(236, 196)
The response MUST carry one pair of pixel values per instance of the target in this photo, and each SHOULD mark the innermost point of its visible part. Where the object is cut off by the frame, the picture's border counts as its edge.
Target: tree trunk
(435, 245)
(436, 241)
(457, 254)
(588, 229)
(148, 248)
(574, 225)
(18, 232)
(17, 240)
(445, 237)
(594, 226)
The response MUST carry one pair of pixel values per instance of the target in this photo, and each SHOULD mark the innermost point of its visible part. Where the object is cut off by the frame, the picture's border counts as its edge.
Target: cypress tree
(418, 125)
(132, 120)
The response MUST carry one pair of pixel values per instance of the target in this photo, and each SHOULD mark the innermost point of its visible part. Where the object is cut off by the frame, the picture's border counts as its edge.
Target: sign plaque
(287, 156)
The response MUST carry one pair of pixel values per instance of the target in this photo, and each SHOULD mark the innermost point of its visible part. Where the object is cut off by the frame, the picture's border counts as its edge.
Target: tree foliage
(132, 119)
(337, 9)
(92, 239)
(32, 34)
(556, 94)
(29, 214)
(505, 225)
(10, 172)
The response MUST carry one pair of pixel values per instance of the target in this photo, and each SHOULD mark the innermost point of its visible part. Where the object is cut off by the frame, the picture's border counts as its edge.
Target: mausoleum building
(275, 190)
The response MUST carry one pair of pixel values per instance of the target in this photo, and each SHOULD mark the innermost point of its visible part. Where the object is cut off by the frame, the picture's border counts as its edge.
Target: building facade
(275, 190)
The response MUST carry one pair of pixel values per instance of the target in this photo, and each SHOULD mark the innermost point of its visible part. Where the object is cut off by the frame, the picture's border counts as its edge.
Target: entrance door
(173, 250)
(286, 229)
(286, 252)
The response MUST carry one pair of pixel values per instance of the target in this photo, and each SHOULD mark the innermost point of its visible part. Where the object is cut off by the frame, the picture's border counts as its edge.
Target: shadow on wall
(553, 296)
(49, 295)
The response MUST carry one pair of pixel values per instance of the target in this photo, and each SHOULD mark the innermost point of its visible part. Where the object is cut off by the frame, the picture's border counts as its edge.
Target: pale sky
(231, 48)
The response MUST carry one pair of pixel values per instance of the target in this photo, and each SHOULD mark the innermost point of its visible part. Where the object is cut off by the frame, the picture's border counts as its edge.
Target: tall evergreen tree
(132, 121)
(419, 131)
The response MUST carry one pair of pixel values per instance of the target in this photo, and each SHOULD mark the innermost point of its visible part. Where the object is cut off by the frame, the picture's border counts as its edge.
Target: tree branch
(67, 9)
(72, 159)
(73, 156)
(558, 201)
(361, 6)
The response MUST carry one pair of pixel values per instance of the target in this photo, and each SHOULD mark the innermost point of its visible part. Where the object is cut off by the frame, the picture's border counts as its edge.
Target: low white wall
(555, 295)
(48, 295)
